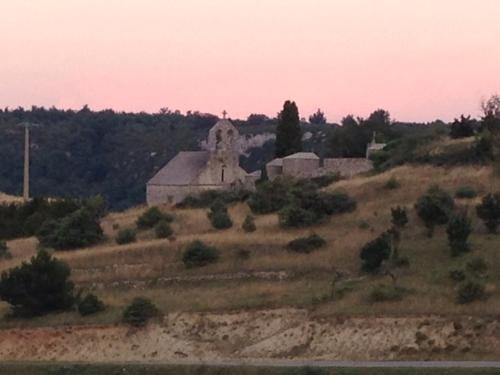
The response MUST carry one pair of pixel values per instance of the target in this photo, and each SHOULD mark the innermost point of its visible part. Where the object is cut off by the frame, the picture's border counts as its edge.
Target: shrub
(458, 230)
(399, 217)
(197, 254)
(392, 184)
(325, 180)
(90, 304)
(151, 217)
(470, 291)
(457, 274)
(38, 287)
(205, 198)
(386, 293)
(489, 211)
(79, 229)
(336, 203)
(465, 192)
(294, 216)
(463, 127)
(4, 251)
(139, 312)
(243, 254)
(363, 224)
(270, 196)
(306, 244)
(375, 252)
(476, 266)
(434, 208)
(125, 236)
(249, 224)
(219, 217)
(163, 229)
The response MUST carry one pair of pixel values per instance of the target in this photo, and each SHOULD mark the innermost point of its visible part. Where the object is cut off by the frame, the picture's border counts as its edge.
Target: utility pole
(26, 185)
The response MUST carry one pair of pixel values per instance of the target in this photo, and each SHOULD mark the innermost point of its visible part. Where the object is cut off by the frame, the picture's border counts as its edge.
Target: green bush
(139, 312)
(270, 196)
(306, 244)
(218, 216)
(458, 230)
(465, 192)
(399, 217)
(470, 291)
(90, 304)
(41, 286)
(205, 198)
(325, 180)
(294, 216)
(392, 183)
(375, 252)
(151, 217)
(489, 211)
(125, 236)
(79, 229)
(476, 266)
(4, 251)
(386, 293)
(434, 208)
(197, 254)
(163, 229)
(249, 224)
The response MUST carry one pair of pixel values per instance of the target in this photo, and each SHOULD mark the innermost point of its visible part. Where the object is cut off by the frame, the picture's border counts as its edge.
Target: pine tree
(288, 134)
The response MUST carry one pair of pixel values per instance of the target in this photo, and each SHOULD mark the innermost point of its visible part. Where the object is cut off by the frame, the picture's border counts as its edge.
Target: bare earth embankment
(282, 334)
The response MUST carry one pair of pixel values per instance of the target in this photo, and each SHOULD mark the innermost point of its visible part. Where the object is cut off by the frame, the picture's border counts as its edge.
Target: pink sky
(419, 59)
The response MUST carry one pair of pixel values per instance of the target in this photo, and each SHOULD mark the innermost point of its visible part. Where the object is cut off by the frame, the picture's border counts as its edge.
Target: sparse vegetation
(197, 254)
(125, 236)
(477, 266)
(36, 288)
(306, 244)
(392, 184)
(140, 312)
(386, 293)
(90, 304)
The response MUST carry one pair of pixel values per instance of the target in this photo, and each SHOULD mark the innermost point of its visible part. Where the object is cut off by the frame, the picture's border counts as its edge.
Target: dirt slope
(268, 334)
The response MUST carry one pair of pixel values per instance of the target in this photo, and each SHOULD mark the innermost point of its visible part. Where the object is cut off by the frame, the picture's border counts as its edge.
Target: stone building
(308, 164)
(191, 172)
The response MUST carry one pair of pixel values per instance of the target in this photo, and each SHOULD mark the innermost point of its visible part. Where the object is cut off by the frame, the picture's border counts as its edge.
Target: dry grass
(427, 278)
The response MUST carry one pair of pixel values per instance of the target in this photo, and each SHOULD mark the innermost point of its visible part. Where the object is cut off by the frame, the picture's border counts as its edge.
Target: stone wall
(347, 167)
(300, 168)
(173, 194)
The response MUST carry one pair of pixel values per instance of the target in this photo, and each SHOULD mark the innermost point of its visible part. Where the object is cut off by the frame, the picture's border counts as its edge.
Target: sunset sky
(419, 59)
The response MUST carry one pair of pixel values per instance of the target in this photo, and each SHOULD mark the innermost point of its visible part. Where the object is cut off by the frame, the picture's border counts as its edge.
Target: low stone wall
(347, 167)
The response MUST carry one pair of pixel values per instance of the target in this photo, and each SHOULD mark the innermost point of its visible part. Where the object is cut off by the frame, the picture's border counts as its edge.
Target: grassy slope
(310, 276)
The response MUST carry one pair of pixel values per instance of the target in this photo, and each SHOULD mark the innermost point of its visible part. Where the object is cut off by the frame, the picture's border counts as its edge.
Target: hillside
(257, 275)
(274, 277)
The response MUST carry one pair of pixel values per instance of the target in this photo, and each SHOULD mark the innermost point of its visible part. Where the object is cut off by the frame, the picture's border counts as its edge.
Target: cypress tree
(288, 134)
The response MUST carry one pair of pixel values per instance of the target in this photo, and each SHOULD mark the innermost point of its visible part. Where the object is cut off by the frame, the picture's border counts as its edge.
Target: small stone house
(308, 164)
(191, 172)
